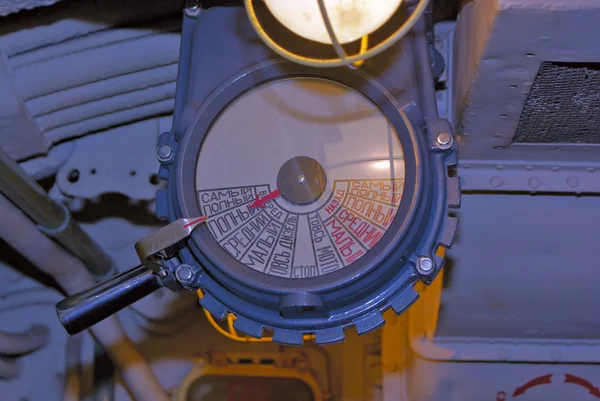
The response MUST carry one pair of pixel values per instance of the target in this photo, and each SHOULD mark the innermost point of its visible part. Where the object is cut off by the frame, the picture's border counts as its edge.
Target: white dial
(325, 159)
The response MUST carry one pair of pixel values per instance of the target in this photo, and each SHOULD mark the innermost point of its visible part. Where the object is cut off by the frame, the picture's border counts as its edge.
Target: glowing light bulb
(350, 19)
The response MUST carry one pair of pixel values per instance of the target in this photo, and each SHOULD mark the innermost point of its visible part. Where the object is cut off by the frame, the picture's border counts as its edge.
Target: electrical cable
(232, 334)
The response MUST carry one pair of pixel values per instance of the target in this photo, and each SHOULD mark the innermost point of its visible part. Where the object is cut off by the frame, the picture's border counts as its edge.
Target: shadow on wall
(117, 206)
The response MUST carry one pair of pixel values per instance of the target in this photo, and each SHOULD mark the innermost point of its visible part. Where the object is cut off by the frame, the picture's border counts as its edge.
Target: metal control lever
(80, 311)
(83, 310)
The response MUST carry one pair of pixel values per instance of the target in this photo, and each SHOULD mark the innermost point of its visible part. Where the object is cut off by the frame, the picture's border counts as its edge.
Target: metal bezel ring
(381, 279)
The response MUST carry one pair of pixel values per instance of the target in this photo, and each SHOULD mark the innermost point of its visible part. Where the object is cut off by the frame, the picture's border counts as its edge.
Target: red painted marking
(532, 383)
(197, 221)
(583, 383)
(260, 202)
(500, 396)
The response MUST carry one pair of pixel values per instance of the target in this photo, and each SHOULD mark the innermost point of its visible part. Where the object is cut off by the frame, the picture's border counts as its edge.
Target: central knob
(301, 180)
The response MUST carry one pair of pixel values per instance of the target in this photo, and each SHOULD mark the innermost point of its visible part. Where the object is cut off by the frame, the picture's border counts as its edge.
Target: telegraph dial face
(300, 177)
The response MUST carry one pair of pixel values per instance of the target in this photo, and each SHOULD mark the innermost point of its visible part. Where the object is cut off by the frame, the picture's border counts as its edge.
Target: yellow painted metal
(232, 334)
(394, 357)
(420, 321)
(287, 365)
(423, 315)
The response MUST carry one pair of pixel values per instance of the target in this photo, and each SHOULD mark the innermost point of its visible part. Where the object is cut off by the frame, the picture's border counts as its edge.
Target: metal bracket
(152, 249)
(528, 177)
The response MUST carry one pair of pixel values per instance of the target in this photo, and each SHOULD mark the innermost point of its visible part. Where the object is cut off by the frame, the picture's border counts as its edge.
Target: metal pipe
(73, 369)
(82, 310)
(426, 84)
(16, 344)
(22, 235)
(53, 219)
(104, 375)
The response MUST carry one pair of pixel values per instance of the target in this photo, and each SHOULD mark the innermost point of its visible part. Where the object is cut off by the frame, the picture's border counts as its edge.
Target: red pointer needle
(195, 222)
(260, 202)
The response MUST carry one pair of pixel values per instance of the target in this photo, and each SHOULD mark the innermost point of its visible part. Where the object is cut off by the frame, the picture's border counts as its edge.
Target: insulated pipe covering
(95, 64)
(21, 234)
(104, 89)
(106, 106)
(109, 120)
(33, 30)
(84, 68)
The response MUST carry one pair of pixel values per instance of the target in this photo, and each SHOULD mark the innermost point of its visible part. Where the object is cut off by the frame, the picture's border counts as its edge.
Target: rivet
(529, 168)
(499, 166)
(534, 183)
(572, 182)
(496, 182)
(555, 168)
(591, 169)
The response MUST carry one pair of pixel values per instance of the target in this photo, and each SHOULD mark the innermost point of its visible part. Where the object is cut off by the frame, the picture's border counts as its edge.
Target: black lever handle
(83, 310)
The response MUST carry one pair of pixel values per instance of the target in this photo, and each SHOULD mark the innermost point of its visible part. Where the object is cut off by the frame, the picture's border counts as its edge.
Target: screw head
(184, 273)
(444, 140)
(164, 153)
(425, 265)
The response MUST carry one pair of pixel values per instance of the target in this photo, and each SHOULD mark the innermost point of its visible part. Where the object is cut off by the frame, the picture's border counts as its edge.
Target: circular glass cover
(300, 177)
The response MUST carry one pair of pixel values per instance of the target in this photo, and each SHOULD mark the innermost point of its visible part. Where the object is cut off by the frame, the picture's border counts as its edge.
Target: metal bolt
(164, 153)
(425, 265)
(444, 140)
(184, 273)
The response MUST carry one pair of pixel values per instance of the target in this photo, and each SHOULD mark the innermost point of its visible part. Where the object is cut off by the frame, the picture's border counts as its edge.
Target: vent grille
(563, 105)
